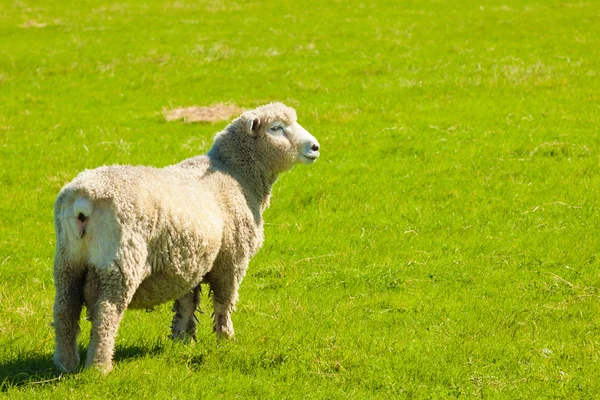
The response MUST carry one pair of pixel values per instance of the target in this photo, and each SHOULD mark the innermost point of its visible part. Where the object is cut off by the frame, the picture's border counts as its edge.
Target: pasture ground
(445, 245)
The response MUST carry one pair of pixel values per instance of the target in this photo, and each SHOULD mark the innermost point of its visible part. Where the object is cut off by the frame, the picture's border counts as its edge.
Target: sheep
(136, 236)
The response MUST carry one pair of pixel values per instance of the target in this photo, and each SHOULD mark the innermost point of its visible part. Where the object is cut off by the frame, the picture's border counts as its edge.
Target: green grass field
(445, 245)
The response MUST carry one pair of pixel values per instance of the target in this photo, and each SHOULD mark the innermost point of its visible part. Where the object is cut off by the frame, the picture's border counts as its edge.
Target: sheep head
(279, 136)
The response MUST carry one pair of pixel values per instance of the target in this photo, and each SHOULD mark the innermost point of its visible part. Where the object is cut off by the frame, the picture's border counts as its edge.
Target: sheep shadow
(30, 369)
(123, 353)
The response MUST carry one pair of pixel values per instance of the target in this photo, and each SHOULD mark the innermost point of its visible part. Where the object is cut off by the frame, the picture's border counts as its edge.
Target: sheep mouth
(308, 157)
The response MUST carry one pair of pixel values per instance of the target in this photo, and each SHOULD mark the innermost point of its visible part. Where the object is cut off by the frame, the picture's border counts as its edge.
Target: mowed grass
(445, 244)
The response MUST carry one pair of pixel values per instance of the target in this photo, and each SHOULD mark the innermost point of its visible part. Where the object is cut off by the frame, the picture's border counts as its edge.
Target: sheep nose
(314, 147)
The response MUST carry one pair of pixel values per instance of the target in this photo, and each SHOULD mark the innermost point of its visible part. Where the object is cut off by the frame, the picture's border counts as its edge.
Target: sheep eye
(277, 129)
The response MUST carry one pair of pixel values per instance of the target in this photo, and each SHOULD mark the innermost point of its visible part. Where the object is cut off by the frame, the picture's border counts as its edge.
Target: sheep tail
(82, 209)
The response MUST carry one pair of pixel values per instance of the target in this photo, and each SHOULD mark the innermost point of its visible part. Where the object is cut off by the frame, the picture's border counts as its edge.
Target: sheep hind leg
(67, 310)
(91, 291)
(116, 291)
(183, 326)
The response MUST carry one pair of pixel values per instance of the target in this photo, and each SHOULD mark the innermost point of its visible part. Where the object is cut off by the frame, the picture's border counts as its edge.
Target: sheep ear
(252, 124)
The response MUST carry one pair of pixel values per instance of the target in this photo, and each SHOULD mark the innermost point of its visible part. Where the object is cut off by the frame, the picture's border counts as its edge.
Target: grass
(444, 246)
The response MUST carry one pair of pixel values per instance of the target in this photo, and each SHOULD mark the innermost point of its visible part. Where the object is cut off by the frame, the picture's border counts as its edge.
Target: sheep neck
(230, 156)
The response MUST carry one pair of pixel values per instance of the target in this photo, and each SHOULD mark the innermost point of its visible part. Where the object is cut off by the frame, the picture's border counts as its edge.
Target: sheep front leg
(184, 322)
(116, 291)
(225, 294)
(67, 310)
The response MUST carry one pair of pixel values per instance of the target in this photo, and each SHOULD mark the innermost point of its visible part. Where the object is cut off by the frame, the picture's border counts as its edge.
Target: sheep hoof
(66, 364)
(225, 334)
(224, 337)
(223, 327)
(184, 337)
(104, 369)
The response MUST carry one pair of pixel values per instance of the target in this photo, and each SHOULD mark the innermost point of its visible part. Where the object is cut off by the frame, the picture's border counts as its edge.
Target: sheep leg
(91, 290)
(184, 322)
(67, 310)
(225, 295)
(116, 291)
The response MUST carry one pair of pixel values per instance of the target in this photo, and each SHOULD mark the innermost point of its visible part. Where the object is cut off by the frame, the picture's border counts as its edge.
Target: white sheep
(135, 237)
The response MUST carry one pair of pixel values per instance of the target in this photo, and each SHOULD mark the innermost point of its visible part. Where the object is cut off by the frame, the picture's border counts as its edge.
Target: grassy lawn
(445, 245)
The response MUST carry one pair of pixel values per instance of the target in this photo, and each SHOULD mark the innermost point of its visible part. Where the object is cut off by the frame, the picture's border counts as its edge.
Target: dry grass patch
(214, 113)
(32, 23)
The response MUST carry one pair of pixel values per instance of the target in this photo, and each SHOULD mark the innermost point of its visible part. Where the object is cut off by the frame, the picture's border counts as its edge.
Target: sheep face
(305, 145)
(279, 134)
